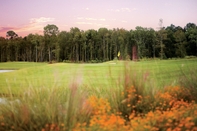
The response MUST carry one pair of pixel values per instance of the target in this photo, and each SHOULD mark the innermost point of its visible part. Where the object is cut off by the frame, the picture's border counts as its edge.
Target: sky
(31, 16)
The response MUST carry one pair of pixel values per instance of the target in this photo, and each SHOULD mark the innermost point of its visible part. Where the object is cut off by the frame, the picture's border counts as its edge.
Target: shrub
(182, 118)
(67, 61)
(102, 118)
(45, 108)
(115, 58)
(189, 82)
(190, 57)
(137, 93)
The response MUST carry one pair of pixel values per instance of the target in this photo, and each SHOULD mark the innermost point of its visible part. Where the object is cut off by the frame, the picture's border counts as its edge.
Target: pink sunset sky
(31, 16)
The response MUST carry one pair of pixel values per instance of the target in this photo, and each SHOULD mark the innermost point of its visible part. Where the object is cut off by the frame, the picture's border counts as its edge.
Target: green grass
(109, 74)
(57, 93)
(18, 65)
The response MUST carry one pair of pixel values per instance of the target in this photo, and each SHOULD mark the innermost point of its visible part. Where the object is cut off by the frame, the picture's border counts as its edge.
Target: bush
(190, 57)
(189, 82)
(180, 116)
(67, 61)
(115, 58)
(46, 109)
(128, 58)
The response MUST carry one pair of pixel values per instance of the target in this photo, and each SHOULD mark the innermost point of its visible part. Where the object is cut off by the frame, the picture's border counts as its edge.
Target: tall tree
(63, 40)
(191, 35)
(170, 41)
(11, 34)
(161, 36)
(123, 41)
(103, 34)
(75, 41)
(91, 40)
(115, 45)
(50, 34)
(180, 43)
(140, 37)
(151, 43)
(3, 49)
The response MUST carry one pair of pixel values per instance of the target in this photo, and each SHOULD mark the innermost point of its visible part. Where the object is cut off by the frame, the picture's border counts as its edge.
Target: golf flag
(118, 53)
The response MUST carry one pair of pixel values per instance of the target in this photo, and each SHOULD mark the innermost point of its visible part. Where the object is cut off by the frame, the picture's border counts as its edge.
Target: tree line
(99, 45)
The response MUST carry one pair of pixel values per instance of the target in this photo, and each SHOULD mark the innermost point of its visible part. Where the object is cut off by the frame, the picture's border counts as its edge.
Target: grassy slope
(92, 75)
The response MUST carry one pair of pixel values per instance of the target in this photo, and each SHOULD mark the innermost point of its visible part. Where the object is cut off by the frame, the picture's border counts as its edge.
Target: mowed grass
(101, 75)
(19, 65)
(104, 96)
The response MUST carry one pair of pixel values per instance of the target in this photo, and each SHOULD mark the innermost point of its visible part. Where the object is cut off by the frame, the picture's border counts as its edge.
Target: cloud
(125, 10)
(101, 25)
(80, 18)
(35, 25)
(84, 23)
(124, 21)
(90, 19)
(41, 20)
(94, 24)
(5, 29)
(134, 9)
(122, 10)
(102, 19)
(86, 8)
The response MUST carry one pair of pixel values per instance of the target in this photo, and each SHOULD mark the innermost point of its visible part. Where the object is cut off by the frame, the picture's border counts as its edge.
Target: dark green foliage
(100, 45)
